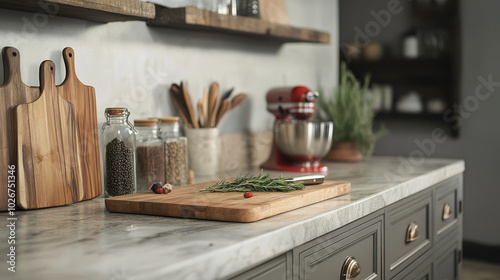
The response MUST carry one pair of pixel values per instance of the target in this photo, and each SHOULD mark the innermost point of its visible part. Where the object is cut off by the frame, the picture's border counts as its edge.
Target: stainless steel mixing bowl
(304, 141)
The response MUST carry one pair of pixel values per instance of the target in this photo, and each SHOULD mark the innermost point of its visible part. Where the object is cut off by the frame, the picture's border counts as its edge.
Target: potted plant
(351, 111)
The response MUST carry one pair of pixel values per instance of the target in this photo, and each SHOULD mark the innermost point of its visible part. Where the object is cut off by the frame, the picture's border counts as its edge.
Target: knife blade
(309, 179)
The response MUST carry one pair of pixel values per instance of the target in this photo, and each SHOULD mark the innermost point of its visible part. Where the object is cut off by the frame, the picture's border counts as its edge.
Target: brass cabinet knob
(447, 213)
(412, 233)
(350, 269)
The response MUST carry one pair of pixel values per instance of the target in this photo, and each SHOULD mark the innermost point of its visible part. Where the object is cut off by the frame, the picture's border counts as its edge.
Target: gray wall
(480, 133)
(133, 65)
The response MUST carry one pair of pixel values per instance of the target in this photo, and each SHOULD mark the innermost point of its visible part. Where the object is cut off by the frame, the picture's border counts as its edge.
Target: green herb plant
(351, 111)
(259, 183)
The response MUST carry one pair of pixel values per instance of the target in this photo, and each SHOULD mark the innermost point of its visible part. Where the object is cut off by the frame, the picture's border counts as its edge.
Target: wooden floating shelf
(203, 20)
(93, 10)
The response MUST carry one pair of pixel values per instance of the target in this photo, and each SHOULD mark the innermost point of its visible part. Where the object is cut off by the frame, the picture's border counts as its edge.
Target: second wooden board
(189, 202)
(49, 171)
(84, 99)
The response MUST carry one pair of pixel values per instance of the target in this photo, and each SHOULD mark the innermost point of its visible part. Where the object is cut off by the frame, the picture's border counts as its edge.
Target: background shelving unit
(156, 15)
(93, 10)
(429, 76)
(196, 19)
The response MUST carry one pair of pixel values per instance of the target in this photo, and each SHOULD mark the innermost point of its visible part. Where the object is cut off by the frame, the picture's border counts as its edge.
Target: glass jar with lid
(150, 158)
(119, 159)
(176, 152)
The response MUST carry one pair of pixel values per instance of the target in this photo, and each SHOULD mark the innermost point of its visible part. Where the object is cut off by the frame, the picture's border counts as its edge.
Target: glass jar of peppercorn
(150, 157)
(119, 160)
(176, 152)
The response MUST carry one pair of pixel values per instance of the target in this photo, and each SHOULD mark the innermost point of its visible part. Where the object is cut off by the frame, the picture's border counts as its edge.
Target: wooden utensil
(226, 107)
(238, 99)
(213, 103)
(225, 96)
(189, 105)
(182, 102)
(12, 93)
(84, 99)
(179, 105)
(201, 114)
(189, 202)
(205, 106)
(49, 172)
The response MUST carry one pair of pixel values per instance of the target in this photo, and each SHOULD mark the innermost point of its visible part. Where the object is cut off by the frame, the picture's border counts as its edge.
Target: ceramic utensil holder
(203, 149)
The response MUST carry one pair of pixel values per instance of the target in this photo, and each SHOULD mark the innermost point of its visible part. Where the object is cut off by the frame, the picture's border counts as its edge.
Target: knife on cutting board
(309, 179)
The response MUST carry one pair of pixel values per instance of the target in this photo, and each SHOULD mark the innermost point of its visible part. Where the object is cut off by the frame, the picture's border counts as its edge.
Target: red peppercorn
(248, 194)
(159, 191)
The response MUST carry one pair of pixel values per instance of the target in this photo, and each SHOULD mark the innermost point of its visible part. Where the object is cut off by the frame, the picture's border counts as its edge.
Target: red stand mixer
(298, 144)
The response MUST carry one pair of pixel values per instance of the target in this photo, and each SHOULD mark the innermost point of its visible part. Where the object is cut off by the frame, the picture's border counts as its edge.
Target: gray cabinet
(448, 207)
(417, 238)
(421, 272)
(408, 232)
(275, 269)
(329, 257)
(448, 259)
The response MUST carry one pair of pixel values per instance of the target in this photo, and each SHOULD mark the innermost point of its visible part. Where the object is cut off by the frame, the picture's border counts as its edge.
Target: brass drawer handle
(447, 213)
(412, 233)
(350, 269)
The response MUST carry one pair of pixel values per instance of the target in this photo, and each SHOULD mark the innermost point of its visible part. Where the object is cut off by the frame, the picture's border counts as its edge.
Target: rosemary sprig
(251, 183)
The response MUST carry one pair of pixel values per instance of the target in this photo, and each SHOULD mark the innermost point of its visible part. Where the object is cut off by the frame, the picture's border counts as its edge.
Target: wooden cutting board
(188, 202)
(49, 170)
(84, 99)
(12, 93)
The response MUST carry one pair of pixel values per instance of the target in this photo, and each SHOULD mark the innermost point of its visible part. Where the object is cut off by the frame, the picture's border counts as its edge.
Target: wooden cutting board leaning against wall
(84, 99)
(12, 93)
(189, 202)
(49, 171)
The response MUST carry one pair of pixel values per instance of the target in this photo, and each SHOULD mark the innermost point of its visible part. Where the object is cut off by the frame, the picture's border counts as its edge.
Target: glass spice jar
(150, 158)
(176, 152)
(119, 160)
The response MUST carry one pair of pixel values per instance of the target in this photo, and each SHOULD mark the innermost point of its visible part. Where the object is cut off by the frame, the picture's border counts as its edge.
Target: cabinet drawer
(447, 207)
(275, 269)
(423, 272)
(408, 232)
(447, 261)
(327, 259)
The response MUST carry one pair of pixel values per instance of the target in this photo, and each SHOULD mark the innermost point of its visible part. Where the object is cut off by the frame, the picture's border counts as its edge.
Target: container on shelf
(176, 152)
(150, 158)
(119, 158)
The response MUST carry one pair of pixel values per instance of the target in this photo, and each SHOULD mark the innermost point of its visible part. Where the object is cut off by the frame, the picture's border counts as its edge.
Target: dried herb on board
(251, 183)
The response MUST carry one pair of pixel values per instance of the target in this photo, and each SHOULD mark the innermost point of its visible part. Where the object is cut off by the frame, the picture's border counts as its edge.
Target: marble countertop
(84, 241)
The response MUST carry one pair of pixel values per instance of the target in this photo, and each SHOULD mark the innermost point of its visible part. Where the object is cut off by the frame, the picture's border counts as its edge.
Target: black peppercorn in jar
(176, 152)
(150, 159)
(119, 159)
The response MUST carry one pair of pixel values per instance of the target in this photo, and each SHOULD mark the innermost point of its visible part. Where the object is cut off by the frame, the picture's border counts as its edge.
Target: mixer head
(291, 102)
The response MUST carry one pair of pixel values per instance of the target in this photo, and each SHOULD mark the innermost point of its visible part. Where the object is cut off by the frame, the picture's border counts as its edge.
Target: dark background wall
(479, 137)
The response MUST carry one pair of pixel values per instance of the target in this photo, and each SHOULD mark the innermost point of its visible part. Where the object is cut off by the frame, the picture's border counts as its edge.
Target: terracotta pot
(344, 151)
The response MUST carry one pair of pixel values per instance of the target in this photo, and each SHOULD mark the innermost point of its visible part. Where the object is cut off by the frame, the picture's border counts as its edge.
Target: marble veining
(84, 241)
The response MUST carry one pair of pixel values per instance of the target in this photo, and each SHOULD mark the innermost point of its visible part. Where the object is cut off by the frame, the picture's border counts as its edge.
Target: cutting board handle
(69, 62)
(11, 65)
(47, 76)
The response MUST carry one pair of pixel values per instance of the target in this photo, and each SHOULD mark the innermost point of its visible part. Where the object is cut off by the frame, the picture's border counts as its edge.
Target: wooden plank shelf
(92, 10)
(203, 20)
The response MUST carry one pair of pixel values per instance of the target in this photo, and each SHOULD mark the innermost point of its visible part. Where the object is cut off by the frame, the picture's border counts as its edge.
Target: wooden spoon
(224, 97)
(201, 114)
(205, 106)
(213, 102)
(189, 105)
(238, 99)
(225, 107)
(178, 103)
